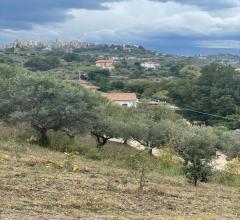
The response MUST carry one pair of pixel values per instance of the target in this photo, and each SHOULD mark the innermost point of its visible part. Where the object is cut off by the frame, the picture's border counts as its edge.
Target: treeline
(50, 60)
(210, 95)
(48, 104)
(216, 92)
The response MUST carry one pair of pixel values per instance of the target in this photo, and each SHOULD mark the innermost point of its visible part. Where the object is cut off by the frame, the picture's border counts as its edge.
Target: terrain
(33, 185)
(74, 176)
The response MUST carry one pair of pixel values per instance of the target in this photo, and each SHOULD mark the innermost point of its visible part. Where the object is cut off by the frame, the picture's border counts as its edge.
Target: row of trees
(155, 127)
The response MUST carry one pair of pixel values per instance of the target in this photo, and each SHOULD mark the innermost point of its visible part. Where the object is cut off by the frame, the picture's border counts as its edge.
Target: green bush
(42, 63)
(60, 142)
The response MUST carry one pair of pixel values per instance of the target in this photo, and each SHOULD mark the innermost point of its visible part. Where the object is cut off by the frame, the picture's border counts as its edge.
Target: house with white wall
(123, 99)
(150, 65)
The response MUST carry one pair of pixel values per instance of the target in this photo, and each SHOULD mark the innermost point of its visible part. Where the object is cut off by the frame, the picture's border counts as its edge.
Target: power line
(204, 113)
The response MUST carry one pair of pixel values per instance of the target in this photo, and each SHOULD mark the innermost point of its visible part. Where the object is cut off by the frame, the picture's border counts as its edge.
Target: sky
(171, 26)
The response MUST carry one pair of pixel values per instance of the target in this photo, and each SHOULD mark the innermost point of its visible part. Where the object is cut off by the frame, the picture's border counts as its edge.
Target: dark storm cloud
(23, 14)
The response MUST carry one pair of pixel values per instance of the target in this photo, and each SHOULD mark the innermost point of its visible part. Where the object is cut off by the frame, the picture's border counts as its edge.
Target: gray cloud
(23, 14)
(208, 4)
(163, 24)
(225, 44)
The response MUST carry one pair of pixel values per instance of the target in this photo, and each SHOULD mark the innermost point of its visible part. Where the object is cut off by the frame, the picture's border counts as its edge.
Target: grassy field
(37, 183)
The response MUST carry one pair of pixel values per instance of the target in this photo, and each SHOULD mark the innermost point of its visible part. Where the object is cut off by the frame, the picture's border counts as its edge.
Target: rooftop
(121, 96)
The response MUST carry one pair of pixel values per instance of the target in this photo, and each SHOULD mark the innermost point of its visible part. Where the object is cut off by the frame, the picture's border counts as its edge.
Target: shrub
(230, 176)
(139, 164)
(42, 64)
(168, 158)
(70, 57)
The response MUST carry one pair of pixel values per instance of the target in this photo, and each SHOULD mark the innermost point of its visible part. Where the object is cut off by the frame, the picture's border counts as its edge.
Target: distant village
(150, 59)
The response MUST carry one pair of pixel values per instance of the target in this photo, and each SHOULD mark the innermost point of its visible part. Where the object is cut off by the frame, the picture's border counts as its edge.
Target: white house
(124, 99)
(150, 65)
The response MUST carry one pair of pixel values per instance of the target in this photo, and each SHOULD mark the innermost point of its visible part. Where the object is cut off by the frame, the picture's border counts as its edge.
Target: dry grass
(35, 185)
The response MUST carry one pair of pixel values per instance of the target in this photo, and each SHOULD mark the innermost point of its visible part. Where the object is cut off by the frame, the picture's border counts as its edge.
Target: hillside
(78, 173)
(33, 185)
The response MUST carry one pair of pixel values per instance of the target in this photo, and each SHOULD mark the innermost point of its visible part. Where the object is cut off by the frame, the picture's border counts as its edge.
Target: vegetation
(100, 77)
(50, 105)
(215, 92)
(42, 63)
(190, 71)
(70, 57)
(102, 187)
(197, 147)
(81, 125)
(139, 166)
(47, 105)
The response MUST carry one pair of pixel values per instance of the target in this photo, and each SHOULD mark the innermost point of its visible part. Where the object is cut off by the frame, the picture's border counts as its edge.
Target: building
(105, 64)
(124, 99)
(150, 65)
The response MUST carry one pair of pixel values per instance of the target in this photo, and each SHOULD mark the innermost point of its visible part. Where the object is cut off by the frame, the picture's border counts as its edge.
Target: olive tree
(47, 104)
(108, 123)
(160, 125)
(6, 73)
(114, 121)
(197, 146)
(139, 165)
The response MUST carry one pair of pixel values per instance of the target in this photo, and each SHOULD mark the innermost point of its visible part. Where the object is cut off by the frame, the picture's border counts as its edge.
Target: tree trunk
(185, 163)
(43, 139)
(101, 140)
(150, 152)
(141, 181)
(195, 181)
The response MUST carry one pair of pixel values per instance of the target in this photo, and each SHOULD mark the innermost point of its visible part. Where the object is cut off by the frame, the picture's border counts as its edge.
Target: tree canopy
(42, 63)
(215, 92)
(47, 104)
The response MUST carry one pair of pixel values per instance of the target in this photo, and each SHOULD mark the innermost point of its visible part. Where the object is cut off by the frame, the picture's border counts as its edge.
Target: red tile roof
(120, 96)
(104, 61)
